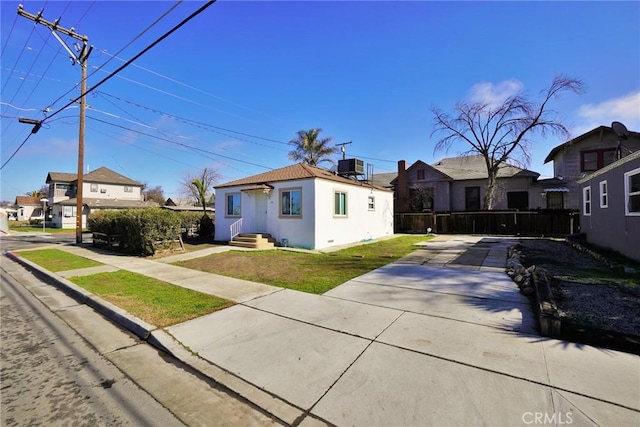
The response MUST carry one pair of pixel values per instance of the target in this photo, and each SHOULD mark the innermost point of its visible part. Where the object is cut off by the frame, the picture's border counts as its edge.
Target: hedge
(137, 229)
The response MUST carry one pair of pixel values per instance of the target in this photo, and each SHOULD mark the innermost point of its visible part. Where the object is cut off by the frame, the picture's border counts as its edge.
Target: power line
(123, 48)
(187, 86)
(16, 151)
(145, 50)
(181, 144)
(197, 123)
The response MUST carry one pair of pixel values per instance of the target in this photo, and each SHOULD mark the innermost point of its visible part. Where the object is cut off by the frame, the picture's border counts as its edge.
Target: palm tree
(310, 149)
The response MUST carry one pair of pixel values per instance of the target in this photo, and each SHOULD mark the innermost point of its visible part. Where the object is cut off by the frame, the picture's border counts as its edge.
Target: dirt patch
(587, 291)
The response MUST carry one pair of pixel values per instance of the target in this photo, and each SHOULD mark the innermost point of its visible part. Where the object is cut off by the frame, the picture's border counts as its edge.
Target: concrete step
(253, 240)
(253, 245)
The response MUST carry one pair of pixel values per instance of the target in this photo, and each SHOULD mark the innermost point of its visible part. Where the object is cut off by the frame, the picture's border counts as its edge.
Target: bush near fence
(136, 231)
(514, 223)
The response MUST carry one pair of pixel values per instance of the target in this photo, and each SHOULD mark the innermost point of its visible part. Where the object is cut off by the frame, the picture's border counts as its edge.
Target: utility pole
(344, 150)
(80, 57)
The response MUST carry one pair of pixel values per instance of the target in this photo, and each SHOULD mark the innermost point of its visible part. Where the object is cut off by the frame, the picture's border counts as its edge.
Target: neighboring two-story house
(101, 189)
(610, 206)
(459, 184)
(578, 157)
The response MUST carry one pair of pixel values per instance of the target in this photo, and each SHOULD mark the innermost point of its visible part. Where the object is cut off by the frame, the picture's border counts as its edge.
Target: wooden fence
(513, 223)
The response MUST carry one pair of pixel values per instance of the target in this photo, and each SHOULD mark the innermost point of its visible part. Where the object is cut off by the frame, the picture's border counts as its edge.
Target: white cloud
(494, 94)
(625, 109)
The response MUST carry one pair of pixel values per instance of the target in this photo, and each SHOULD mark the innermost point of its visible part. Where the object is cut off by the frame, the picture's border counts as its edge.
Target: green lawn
(153, 301)
(56, 260)
(314, 273)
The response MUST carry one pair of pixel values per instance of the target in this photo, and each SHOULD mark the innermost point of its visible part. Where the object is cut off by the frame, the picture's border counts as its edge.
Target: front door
(260, 222)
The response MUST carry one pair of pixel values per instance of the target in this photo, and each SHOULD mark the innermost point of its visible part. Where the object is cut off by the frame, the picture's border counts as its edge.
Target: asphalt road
(17, 241)
(50, 376)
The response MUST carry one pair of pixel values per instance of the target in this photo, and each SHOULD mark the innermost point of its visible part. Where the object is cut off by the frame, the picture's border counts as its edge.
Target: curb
(137, 326)
(161, 340)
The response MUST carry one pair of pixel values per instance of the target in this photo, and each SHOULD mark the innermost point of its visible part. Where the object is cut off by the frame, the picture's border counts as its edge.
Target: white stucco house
(304, 206)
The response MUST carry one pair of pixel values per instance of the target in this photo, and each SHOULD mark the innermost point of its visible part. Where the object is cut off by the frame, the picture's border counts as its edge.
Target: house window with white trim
(128, 189)
(69, 211)
(632, 192)
(604, 197)
(233, 205)
(340, 203)
(371, 203)
(586, 201)
(291, 202)
(93, 188)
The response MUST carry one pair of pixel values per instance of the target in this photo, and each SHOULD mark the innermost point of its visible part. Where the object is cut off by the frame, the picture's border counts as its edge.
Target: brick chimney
(402, 188)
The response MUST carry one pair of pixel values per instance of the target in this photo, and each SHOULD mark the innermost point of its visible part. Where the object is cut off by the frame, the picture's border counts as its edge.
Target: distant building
(102, 189)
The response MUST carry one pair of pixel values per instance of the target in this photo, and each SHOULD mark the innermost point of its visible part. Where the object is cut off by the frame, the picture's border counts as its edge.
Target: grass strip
(56, 260)
(153, 301)
(313, 273)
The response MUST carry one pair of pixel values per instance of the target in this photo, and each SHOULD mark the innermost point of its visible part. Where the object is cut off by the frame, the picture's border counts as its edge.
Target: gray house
(578, 157)
(610, 206)
(459, 184)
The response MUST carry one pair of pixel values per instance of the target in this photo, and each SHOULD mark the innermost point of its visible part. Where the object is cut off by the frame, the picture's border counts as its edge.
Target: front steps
(253, 240)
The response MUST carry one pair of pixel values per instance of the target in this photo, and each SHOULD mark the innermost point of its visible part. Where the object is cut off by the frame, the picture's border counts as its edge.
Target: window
(371, 203)
(586, 201)
(555, 200)
(290, 202)
(233, 204)
(592, 160)
(472, 198)
(518, 200)
(632, 192)
(604, 200)
(69, 211)
(94, 188)
(126, 189)
(340, 205)
(420, 174)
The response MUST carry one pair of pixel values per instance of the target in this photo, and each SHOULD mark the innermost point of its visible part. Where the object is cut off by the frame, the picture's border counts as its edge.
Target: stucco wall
(610, 227)
(111, 191)
(25, 212)
(360, 223)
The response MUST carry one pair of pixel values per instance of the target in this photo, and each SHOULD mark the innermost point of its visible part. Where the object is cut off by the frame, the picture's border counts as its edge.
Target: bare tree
(503, 132)
(199, 187)
(153, 194)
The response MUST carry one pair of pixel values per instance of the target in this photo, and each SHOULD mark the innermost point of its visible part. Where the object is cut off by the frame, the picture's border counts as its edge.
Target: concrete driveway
(441, 337)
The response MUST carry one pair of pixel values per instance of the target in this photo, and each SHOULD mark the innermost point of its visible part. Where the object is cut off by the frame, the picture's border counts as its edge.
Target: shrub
(207, 228)
(137, 229)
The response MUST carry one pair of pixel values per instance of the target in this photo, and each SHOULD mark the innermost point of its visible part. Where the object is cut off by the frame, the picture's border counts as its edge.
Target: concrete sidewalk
(441, 337)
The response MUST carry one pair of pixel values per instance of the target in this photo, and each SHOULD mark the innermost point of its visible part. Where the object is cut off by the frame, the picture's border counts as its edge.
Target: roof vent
(351, 167)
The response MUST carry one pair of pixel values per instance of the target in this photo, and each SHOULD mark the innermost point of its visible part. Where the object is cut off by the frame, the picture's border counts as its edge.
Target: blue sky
(230, 88)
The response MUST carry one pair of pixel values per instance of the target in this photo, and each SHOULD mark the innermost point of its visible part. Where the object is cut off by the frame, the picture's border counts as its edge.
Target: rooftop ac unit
(351, 167)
